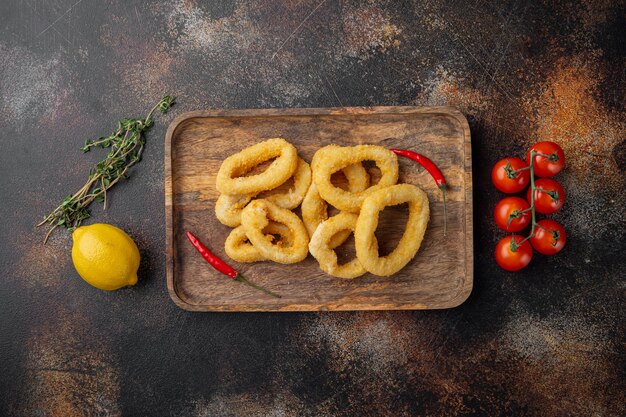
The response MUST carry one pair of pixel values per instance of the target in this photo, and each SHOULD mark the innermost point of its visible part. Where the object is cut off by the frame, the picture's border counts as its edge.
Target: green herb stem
(127, 145)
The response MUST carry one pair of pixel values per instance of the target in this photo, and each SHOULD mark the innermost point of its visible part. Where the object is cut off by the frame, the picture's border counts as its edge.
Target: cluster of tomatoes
(514, 214)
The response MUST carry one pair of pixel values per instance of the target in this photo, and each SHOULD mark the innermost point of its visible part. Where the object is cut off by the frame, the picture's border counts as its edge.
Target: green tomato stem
(532, 194)
(551, 156)
(515, 171)
(533, 223)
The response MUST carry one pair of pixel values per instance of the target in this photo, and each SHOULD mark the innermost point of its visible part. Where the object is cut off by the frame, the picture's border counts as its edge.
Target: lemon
(105, 256)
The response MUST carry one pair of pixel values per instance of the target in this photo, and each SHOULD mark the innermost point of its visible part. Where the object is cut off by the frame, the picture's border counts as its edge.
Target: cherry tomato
(549, 237)
(508, 181)
(550, 199)
(547, 166)
(513, 257)
(507, 214)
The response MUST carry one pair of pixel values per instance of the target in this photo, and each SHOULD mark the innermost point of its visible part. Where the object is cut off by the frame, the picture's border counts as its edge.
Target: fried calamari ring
(315, 209)
(314, 212)
(294, 196)
(240, 249)
(365, 240)
(228, 207)
(357, 176)
(332, 158)
(322, 250)
(230, 181)
(256, 216)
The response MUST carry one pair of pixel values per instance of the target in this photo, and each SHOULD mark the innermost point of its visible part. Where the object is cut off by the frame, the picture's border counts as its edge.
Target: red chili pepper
(434, 172)
(222, 266)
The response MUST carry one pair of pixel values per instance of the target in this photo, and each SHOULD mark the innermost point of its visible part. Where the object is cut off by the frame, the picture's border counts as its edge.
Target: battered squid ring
(228, 207)
(229, 181)
(256, 216)
(321, 247)
(332, 158)
(294, 196)
(357, 176)
(315, 209)
(365, 240)
(240, 249)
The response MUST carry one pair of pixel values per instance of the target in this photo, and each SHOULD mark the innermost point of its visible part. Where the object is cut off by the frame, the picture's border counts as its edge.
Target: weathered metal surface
(546, 341)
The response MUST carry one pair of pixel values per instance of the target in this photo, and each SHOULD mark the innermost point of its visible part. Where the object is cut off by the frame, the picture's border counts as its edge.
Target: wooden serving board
(440, 275)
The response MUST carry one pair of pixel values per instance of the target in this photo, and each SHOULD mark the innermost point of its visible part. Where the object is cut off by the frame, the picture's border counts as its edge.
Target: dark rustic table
(547, 341)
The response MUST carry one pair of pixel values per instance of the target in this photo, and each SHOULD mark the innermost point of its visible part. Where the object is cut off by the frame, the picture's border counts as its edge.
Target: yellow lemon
(105, 256)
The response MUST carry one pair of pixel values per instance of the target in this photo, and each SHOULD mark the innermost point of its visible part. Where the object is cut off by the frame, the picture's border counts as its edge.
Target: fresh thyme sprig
(127, 145)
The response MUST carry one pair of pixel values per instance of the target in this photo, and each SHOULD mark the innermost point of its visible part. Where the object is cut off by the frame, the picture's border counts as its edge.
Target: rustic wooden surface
(547, 341)
(440, 275)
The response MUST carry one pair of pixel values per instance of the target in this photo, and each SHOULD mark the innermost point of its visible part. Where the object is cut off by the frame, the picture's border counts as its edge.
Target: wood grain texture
(440, 275)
